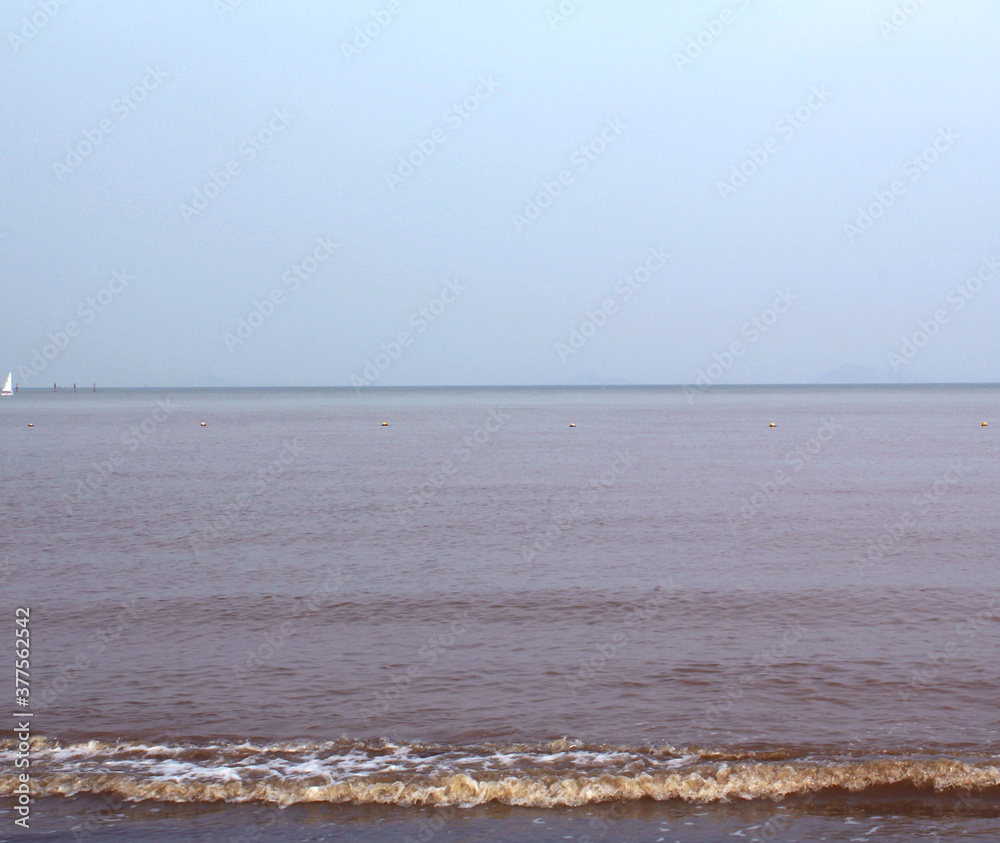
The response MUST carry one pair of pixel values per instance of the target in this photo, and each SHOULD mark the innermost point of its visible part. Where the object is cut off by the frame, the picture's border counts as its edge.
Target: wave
(559, 773)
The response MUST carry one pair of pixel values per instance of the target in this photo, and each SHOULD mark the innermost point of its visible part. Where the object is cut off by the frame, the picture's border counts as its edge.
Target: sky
(226, 193)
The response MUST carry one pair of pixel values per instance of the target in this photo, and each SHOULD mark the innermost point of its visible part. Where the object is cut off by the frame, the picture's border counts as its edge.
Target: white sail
(6, 387)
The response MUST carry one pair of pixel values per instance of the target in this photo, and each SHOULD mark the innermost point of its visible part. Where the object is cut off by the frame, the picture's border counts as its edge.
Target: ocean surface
(509, 614)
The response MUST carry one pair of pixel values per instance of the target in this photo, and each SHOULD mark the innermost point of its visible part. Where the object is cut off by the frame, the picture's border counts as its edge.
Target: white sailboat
(6, 387)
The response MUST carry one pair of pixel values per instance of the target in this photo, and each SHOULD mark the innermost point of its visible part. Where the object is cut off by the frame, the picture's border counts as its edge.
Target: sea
(507, 614)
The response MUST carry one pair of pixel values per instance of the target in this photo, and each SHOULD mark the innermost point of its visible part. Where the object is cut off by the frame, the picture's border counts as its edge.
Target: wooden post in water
(74, 387)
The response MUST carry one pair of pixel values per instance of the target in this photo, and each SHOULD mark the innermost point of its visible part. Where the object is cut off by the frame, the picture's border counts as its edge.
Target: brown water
(480, 608)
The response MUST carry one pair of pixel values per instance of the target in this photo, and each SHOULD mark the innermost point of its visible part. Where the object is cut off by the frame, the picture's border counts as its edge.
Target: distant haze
(405, 193)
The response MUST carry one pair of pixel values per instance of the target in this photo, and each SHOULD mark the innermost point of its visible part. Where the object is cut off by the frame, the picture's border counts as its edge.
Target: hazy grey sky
(283, 195)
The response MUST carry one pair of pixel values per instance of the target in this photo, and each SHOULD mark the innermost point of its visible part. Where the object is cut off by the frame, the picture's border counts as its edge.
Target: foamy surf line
(560, 773)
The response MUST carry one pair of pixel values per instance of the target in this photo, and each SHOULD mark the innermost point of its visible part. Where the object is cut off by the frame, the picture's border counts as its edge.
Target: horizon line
(699, 387)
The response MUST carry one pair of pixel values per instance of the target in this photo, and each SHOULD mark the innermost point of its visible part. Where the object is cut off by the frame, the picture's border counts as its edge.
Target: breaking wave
(560, 773)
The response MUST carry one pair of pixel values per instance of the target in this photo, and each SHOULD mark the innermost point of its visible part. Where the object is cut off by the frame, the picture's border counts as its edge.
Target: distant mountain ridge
(852, 373)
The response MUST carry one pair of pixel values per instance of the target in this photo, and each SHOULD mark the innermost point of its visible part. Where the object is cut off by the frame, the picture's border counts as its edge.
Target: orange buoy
(385, 424)
(773, 424)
